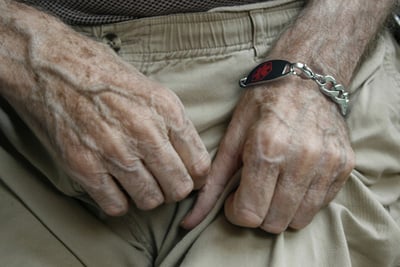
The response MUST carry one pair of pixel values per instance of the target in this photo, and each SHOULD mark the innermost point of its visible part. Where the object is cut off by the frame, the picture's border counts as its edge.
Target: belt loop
(260, 34)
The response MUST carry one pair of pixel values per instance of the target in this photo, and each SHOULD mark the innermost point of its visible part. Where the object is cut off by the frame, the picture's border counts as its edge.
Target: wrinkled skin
(295, 158)
(113, 130)
(290, 140)
(132, 130)
(138, 135)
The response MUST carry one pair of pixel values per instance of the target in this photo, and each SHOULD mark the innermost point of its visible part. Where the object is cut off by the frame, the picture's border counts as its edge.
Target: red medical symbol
(261, 72)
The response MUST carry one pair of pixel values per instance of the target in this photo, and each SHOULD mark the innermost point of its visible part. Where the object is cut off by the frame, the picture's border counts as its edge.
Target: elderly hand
(112, 129)
(294, 148)
(290, 139)
(117, 128)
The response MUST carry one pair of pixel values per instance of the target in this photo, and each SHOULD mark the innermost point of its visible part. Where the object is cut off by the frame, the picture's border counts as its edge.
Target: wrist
(331, 36)
(277, 69)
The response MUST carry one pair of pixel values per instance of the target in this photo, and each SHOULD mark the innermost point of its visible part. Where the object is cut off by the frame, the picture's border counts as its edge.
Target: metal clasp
(304, 71)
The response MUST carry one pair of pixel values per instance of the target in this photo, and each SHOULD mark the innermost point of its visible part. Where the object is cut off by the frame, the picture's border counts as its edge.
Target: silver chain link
(327, 84)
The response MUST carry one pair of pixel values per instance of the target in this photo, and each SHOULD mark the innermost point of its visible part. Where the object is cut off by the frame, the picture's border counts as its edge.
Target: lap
(358, 228)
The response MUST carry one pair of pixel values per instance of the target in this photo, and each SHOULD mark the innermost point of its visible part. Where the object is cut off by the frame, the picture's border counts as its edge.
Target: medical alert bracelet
(275, 69)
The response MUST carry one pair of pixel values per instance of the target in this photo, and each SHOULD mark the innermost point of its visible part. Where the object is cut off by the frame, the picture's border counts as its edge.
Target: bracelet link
(277, 69)
(327, 85)
(337, 94)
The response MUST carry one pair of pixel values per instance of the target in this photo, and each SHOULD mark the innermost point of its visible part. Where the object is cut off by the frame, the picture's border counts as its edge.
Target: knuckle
(171, 99)
(345, 163)
(156, 150)
(311, 204)
(335, 154)
(81, 162)
(268, 151)
(111, 205)
(202, 166)
(147, 197)
(91, 183)
(129, 164)
(267, 138)
(351, 161)
(145, 194)
(115, 210)
(149, 202)
(182, 190)
(311, 149)
(290, 188)
(171, 107)
(118, 153)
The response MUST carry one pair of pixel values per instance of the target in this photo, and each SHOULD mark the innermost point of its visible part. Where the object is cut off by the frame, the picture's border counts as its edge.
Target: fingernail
(183, 222)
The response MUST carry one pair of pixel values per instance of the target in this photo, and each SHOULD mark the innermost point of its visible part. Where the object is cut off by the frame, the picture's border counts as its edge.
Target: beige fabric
(40, 227)
(201, 57)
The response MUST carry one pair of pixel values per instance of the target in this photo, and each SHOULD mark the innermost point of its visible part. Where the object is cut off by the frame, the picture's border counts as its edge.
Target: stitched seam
(212, 17)
(129, 41)
(202, 51)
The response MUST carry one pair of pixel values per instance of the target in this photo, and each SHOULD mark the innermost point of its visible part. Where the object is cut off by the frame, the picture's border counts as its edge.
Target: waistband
(197, 34)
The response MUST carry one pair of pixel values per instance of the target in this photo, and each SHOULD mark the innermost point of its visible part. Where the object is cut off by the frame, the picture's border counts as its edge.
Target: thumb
(220, 174)
(226, 163)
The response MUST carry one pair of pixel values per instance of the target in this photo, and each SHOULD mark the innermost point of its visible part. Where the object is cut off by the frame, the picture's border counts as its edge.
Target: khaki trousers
(201, 57)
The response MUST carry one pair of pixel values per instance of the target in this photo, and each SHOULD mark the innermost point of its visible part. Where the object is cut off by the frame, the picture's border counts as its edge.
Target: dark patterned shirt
(92, 12)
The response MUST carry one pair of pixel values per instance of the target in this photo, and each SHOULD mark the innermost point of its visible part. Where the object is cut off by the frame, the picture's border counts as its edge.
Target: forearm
(331, 35)
(45, 64)
(23, 31)
(35, 45)
(13, 50)
(87, 106)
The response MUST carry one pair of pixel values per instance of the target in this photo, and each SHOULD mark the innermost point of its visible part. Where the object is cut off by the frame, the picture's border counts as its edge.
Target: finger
(168, 169)
(284, 204)
(248, 206)
(192, 151)
(127, 169)
(335, 165)
(325, 174)
(291, 188)
(207, 198)
(319, 195)
(95, 180)
(139, 183)
(86, 168)
(312, 202)
(107, 195)
(181, 133)
(225, 165)
(331, 175)
(346, 167)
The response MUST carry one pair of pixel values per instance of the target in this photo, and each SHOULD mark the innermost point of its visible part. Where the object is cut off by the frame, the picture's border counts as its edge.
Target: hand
(113, 130)
(294, 148)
